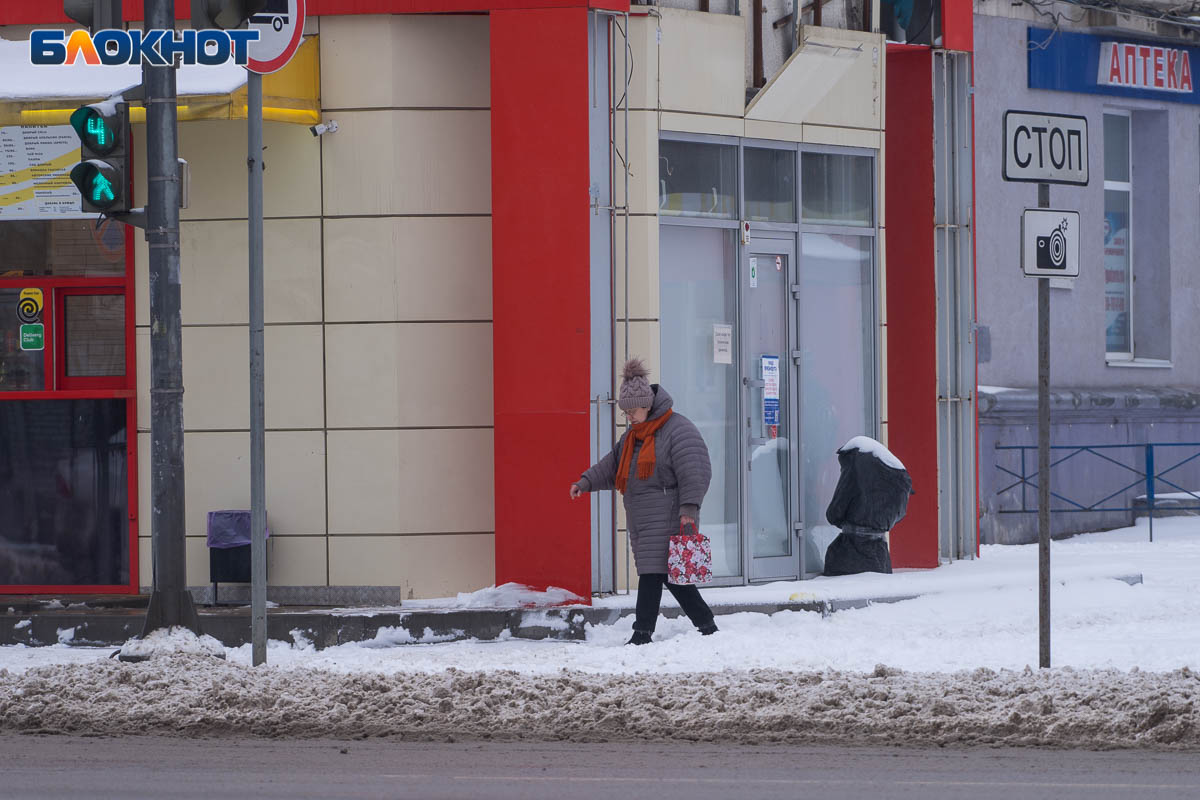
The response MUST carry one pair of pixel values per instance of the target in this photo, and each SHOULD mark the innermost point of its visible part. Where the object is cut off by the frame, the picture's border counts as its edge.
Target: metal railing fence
(1147, 473)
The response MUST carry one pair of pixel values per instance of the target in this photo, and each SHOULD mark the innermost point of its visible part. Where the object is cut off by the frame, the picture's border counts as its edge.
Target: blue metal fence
(1148, 475)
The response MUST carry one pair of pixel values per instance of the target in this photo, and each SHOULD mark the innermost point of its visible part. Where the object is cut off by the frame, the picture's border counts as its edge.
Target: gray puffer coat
(682, 471)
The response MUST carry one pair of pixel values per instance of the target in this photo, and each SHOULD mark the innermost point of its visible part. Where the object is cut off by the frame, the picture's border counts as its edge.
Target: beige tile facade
(378, 319)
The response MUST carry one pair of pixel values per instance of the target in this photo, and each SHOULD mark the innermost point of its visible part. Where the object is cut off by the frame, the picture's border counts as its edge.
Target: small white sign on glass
(722, 343)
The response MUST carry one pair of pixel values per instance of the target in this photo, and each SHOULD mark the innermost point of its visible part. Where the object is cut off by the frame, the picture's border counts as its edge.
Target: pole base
(171, 610)
(167, 610)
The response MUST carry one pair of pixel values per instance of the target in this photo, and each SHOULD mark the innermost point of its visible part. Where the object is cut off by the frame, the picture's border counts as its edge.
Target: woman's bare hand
(575, 491)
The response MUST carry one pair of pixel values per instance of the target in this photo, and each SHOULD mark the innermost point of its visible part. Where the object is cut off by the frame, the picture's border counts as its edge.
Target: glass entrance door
(769, 417)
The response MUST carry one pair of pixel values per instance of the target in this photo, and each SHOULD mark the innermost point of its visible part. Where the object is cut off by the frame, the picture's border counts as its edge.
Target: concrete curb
(31, 623)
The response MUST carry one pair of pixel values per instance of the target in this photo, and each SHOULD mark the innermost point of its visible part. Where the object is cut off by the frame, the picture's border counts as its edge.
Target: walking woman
(661, 466)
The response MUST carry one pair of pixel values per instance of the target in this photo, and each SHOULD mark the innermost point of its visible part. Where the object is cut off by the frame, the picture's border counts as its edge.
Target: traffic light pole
(170, 603)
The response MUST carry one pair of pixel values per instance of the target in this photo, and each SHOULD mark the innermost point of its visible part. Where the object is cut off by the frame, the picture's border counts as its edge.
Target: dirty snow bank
(191, 695)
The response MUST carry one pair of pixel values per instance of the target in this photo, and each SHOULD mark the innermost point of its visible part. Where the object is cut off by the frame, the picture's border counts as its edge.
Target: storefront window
(697, 179)
(798, 302)
(837, 368)
(697, 343)
(770, 185)
(64, 488)
(1118, 190)
(837, 189)
(61, 248)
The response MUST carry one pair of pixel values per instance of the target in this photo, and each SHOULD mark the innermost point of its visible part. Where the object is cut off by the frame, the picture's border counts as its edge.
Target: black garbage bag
(852, 553)
(870, 498)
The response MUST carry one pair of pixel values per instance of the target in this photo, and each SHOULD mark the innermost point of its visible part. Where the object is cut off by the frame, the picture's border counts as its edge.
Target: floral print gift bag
(689, 557)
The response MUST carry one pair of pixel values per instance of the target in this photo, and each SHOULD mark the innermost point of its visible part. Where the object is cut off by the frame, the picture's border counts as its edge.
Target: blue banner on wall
(1120, 67)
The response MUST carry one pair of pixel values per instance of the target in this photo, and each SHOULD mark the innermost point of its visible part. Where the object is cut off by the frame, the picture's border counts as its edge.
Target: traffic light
(102, 175)
(95, 15)
(224, 14)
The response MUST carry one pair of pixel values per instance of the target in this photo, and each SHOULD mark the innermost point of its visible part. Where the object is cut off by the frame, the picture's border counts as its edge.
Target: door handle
(753, 383)
(753, 442)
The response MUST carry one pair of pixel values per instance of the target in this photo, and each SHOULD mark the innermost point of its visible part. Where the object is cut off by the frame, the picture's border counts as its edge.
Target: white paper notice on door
(770, 376)
(753, 272)
(722, 343)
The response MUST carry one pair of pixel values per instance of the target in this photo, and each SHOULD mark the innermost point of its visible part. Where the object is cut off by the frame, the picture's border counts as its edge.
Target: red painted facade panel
(912, 298)
(958, 25)
(540, 294)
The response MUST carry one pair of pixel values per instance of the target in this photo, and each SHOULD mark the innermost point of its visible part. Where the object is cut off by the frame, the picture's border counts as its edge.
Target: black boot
(639, 637)
(708, 630)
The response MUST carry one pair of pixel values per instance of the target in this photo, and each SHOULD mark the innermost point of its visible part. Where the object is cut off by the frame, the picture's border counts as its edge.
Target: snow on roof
(20, 80)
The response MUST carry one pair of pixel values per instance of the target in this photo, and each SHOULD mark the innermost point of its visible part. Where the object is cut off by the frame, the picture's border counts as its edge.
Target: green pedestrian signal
(99, 184)
(102, 174)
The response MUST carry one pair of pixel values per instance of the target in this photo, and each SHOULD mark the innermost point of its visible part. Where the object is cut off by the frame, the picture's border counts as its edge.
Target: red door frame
(55, 291)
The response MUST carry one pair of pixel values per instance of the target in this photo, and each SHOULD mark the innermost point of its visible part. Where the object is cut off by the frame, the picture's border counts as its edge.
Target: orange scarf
(643, 432)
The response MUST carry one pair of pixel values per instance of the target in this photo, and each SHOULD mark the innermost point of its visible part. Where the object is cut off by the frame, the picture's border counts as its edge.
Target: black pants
(650, 596)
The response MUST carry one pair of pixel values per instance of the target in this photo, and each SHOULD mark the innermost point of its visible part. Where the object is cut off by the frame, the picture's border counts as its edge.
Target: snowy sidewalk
(980, 613)
(950, 666)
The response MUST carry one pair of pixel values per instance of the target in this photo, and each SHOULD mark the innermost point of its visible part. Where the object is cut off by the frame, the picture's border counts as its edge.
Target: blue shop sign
(1081, 62)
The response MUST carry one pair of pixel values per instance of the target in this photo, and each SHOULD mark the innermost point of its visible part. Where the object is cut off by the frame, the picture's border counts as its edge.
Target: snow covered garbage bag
(871, 497)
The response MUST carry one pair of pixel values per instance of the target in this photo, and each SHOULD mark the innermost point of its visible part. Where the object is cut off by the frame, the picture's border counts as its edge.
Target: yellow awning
(293, 94)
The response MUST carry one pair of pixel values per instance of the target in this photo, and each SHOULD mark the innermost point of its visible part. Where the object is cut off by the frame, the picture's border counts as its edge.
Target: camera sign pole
(1044, 454)
(1045, 149)
(1049, 249)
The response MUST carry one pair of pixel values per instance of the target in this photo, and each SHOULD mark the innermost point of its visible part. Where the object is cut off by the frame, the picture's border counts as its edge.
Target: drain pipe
(756, 21)
(625, 76)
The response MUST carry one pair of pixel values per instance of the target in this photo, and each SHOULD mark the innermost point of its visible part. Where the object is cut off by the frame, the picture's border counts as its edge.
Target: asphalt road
(40, 766)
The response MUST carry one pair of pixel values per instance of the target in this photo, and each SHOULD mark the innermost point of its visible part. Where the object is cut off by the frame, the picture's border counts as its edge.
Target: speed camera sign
(1050, 243)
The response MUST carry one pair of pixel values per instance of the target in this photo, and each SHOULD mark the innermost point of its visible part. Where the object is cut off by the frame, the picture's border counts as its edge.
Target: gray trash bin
(229, 547)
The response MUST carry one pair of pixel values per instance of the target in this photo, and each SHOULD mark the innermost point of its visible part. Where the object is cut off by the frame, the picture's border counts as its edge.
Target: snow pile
(190, 695)
(506, 595)
(165, 642)
(390, 637)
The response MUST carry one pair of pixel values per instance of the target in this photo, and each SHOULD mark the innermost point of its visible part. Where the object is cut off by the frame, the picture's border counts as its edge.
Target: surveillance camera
(323, 128)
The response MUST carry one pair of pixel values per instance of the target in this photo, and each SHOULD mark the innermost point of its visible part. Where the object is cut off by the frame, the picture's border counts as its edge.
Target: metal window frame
(1127, 187)
(792, 233)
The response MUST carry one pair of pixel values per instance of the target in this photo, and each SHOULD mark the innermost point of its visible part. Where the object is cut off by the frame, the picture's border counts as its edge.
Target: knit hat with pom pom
(635, 389)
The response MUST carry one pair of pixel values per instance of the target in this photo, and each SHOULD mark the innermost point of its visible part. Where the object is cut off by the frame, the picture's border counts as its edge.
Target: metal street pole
(258, 472)
(1043, 456)
(170, 603)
